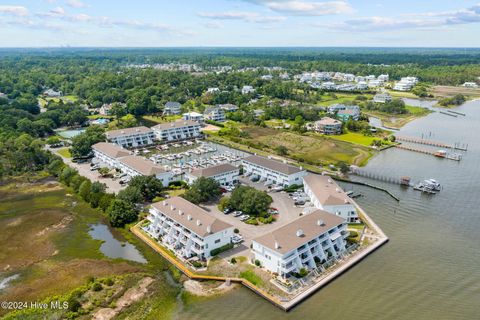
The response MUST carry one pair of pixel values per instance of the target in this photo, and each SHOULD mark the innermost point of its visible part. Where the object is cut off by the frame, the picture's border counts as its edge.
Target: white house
(470, 85)
(328, 126)
(382, 98)
(177, 130)
(213, 90)
(327, 195)
(247, 89)
(109, 153)
(383, 77)
(302, 244)
(225, 174)
(172, 108)
(139, 166)
(273, 171)
(52, 93)
(131, 137)
(362, 85)
(193, 116)
(214, 114)
(228, 107)
(405, 84)
(187, 229)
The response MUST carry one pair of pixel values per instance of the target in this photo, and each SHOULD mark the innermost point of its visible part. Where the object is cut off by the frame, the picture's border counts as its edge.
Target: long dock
(429, 152)
(448, 114)
(423, 141)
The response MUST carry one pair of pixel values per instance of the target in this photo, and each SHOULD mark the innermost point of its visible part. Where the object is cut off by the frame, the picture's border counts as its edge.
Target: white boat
(433, 183)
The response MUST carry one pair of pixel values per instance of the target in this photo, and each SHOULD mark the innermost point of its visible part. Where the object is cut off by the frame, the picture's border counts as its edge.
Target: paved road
(84, 169)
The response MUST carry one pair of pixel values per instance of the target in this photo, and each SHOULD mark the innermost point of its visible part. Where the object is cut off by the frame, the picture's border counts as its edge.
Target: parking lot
(287, 212)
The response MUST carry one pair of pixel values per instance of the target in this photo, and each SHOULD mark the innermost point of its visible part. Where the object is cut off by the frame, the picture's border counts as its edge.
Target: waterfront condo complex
(177, 131)
(225, 174)
(131, 137)
(273, 171)
(302, 244)
(327, 195)
(187, 229)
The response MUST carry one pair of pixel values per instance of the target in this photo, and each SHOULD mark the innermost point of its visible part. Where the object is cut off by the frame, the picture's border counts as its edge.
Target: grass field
(163, 119)
(65, 152)
(356, 138)
(398, 120)
(450, 91)
(44, 232)
(341, 98)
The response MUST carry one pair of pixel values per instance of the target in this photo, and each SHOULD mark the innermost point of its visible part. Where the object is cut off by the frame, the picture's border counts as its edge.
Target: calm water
(430, 269)
(113, 248)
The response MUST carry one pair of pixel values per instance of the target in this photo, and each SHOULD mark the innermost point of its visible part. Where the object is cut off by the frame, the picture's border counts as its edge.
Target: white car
(245, 217)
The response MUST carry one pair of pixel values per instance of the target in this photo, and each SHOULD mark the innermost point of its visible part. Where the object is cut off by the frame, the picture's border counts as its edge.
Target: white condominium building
(109, 153)
(178, 130)
(131, 137)
(225, 174)
(139, 166)
(187, 229)
(276, 172)
(194, 116)
(302, 244)
(327, 195)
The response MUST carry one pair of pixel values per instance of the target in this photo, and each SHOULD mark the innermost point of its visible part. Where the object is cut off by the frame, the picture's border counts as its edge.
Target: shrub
(236, 230)
(197, 264)
(73, 304)
(221, 249)
(252, 221)
(97, 286)
(109, 282)
(258, 263)
(303, 272)
(233, 261)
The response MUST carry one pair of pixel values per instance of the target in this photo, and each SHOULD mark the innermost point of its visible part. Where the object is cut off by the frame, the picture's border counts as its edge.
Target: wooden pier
(423, 141)
(449, 156)
(449, 114)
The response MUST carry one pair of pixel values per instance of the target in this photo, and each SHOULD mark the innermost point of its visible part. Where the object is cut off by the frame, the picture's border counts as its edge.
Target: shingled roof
(273, 165)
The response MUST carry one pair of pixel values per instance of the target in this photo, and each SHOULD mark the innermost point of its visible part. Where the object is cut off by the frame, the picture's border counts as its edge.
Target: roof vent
(172, 125)
(165, 203)
(320, 222)
(330, 180)
(122, 131)
(346, 201)
(189, 217)
(338, 190)
(137, 130)
(199, 222)
(209, 229)
(172, 207)
(285, 161)
(277, 245)
(180, 212)
(300, 233)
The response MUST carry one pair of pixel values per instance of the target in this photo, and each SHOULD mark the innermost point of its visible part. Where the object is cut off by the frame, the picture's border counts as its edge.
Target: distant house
(348, 114)
(267, 77)
(470, 85)
(328, 126)
(383, 77)
(52, 93)
(172, 108)
(213, 90)
(194, 116)
(228, 107)
(214, 114)
(382, 98)
(405, 84)
(3, 95)
(258, 113)
(105, 109)
(362, 85)
(247, 89)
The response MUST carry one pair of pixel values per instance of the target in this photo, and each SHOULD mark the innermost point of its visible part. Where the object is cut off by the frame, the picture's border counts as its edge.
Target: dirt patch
(450, 91)
(129, 297)
(205, 289)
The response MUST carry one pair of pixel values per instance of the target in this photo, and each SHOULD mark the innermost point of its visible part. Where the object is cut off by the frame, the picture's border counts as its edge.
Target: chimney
(277, 245)
(320, 222)
(199, 222)
(300, 233)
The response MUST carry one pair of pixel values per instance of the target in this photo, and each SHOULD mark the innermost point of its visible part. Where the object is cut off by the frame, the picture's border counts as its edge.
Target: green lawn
(417, 110)
(356, 138)
(163, 119)
(252, 277)
(341, 98)
(65, 152)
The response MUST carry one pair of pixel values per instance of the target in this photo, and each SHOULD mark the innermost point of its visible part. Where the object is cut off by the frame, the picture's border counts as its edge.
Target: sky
(239, 23)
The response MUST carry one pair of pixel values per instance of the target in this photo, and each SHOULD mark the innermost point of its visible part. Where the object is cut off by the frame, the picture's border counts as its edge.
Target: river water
(430, 269)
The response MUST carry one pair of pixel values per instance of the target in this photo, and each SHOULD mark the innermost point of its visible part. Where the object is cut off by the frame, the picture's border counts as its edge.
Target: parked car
(227, 210)
(94, 168)
(237, 239)
(237, 213)
(254, 178)
(244, 217)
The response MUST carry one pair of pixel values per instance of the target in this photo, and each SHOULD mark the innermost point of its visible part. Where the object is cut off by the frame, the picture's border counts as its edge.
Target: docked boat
(433, 183)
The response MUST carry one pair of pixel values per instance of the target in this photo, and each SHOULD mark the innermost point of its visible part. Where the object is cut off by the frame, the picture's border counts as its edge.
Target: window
(217, 241)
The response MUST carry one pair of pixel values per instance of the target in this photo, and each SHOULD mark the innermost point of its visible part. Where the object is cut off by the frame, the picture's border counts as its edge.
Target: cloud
(244, 16)
(409, 21)
(306, 8)
(213, 25)
(14, 10)
(76, 4)
(303, 8)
